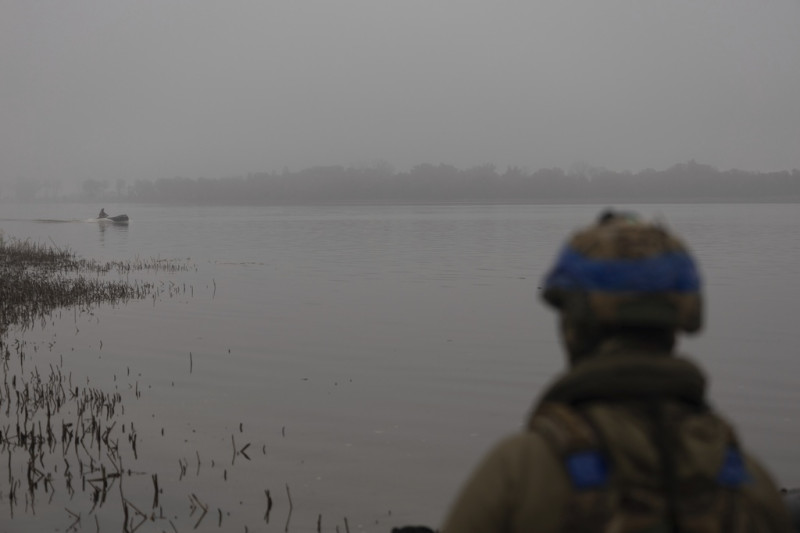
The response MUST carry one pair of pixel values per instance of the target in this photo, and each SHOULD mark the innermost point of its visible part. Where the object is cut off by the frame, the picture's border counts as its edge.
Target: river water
(369, 355)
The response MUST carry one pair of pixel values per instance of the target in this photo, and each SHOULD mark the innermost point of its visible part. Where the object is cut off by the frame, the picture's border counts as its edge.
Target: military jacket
(522, 484)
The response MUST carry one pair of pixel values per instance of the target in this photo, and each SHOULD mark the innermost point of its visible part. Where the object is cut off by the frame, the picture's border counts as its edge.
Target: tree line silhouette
(427, 183)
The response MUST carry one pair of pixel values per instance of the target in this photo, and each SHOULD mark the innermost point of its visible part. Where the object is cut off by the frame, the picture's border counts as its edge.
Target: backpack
(601, 503)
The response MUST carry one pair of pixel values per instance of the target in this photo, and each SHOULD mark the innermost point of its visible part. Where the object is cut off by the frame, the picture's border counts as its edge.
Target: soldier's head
(623, 276)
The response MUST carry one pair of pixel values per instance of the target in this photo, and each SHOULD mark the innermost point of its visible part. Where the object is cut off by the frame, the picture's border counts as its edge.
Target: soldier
(625, 440)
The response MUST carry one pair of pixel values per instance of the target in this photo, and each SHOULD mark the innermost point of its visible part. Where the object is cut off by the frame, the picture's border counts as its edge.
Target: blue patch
(733, 472)
(673, 271)
(587, 470)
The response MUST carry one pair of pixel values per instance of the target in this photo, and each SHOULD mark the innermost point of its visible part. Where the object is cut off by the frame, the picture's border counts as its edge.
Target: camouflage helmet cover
(627, 272)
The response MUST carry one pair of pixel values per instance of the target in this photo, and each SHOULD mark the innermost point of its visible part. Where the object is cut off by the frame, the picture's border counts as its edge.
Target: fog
(200, 88)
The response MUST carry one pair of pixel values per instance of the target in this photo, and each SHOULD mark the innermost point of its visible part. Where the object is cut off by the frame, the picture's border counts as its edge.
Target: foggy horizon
(147, 90)
(438, 184)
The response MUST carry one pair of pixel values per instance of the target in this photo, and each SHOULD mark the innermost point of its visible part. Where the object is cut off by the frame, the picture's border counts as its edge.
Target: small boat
(118, 219)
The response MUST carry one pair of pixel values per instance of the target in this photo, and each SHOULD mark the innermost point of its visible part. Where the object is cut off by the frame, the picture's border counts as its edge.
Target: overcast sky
(211, 88)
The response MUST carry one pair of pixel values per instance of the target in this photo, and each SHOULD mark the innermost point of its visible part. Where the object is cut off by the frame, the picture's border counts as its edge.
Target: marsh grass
(36, 279)
(58, 436)
(71, 453)
(56, 433)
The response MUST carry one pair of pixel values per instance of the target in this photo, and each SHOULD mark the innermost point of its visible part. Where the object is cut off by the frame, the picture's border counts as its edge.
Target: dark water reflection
(371, 354)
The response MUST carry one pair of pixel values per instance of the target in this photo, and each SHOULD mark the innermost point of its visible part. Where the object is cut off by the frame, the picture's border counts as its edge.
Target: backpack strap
(579, 448)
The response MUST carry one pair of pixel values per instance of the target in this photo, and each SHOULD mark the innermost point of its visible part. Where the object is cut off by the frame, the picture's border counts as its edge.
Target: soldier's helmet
(625, 271)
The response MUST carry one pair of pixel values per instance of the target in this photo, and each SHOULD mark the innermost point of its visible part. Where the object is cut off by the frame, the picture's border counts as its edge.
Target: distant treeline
(447, 184)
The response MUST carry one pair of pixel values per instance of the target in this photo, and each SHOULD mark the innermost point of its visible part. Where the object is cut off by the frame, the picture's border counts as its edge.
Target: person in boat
(625, 439)
(102, 213)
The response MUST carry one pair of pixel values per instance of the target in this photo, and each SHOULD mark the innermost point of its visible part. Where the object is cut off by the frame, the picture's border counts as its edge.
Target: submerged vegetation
(59, 435)
(74, 457)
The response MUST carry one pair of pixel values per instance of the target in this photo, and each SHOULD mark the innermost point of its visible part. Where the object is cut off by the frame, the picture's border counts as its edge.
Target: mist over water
(148, 90)
(371, 354)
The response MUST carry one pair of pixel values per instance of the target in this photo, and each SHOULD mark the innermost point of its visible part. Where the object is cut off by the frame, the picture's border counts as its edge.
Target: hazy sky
(111, 89)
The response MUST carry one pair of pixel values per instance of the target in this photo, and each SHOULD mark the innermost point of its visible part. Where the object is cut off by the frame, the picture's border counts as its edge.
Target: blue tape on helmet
(668, 272)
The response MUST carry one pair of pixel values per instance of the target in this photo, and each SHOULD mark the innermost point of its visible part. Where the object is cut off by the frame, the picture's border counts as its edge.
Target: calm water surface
(370, 355)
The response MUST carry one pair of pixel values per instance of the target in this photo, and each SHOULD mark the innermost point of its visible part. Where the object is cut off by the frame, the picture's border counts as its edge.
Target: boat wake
(43, 220)
(64, 220)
